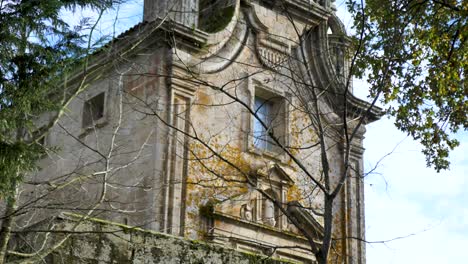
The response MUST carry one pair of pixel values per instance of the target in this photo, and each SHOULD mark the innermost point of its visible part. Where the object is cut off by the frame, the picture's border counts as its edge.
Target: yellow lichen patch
(203, 99)
(219, 169)
(202, 102)
(302, 135)
(216, 173)
(293, 194)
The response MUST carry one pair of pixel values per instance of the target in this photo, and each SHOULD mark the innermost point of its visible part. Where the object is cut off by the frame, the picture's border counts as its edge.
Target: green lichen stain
(109, 242)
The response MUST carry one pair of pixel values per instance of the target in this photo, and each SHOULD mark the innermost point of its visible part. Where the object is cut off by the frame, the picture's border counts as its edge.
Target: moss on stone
(109, 242)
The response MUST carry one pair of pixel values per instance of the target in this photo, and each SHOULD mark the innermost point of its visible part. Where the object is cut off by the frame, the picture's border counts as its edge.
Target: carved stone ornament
(270, 221)
(269, 213)
(272, 52)
(246, 212)
(271, 58)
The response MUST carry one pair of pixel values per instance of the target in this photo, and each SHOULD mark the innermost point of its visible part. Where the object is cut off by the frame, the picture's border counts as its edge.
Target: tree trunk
(321, 259)
(5, 232)
(322, 256)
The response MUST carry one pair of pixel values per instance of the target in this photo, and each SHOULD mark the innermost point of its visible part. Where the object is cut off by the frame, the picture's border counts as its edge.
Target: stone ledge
(100, 241)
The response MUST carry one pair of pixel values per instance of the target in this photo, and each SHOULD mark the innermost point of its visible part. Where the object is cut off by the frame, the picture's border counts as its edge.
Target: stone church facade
(192, 123)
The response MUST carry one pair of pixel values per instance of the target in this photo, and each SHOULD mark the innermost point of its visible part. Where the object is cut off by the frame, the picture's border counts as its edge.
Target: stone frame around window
(280, 98)
(103, 118)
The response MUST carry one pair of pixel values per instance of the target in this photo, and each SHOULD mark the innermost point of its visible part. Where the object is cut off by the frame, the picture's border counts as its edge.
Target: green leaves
(15, 159)
(416, 54)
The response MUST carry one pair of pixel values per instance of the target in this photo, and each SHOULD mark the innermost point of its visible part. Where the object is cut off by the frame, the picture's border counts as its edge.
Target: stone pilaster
(182, 92)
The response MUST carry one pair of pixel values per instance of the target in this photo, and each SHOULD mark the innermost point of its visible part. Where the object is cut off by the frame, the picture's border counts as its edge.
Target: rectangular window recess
(269, 113)
(93, 110)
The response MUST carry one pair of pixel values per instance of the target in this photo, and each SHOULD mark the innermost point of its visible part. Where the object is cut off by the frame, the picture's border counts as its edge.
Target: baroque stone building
(210, 120)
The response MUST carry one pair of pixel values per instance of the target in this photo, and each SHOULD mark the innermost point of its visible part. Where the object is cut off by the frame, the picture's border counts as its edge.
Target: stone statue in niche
(269, 216)
(246, 212)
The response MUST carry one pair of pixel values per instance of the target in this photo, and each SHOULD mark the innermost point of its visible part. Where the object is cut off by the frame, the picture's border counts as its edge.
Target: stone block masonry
(100, 241)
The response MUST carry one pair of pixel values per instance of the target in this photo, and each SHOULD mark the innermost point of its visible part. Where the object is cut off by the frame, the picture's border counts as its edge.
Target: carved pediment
(275, 173)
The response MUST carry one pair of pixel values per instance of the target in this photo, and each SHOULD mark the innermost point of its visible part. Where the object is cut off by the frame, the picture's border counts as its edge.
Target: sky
(406, 199)
(422, 215)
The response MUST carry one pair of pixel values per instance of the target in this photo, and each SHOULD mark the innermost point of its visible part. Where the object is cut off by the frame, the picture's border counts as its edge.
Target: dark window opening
(93, 110)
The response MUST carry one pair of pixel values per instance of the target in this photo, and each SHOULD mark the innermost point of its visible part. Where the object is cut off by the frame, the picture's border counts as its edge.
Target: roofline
(372, 112)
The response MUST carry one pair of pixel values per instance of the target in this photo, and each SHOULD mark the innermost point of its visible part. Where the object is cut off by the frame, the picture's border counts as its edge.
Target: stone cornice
(310, 12)
(253, 225)
(358, 107)
(318, 54)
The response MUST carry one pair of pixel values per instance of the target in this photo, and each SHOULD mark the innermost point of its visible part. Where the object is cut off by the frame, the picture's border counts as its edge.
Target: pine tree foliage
(38, 49)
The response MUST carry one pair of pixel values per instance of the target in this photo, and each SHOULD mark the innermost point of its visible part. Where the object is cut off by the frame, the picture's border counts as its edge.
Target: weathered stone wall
(98, 241)
(72, 176)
